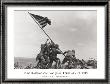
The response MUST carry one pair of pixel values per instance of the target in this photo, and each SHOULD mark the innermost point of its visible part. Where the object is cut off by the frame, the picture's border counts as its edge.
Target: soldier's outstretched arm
(60, 52)
(65, 52)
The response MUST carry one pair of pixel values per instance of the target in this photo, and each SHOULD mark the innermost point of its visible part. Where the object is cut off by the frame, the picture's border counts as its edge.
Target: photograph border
(51, 3)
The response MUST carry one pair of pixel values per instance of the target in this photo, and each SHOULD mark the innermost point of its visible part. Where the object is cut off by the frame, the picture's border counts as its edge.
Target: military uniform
(53, 55)
(70, 58)
(43, 57)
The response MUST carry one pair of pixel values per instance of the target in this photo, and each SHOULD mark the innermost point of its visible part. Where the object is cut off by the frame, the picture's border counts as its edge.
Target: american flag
(42, 21)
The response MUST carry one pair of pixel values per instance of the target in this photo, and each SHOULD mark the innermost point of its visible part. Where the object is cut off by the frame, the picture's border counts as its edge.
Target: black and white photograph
(55, 39)
(56, 42)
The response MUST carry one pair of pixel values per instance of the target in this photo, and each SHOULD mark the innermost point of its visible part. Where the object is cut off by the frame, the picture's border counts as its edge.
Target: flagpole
(43, 30)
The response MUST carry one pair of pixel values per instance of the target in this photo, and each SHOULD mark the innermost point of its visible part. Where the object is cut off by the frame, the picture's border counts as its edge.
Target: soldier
(45, 52)
(43, 56)
(54, 50)
(41, 61)
(69, 58)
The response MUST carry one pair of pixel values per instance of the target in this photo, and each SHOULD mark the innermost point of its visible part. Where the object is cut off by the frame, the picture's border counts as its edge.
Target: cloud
(73, 29)
(80, 44)
(87, 15)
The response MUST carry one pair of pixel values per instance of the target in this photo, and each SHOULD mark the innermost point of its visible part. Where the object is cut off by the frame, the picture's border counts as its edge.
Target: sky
(70, 29)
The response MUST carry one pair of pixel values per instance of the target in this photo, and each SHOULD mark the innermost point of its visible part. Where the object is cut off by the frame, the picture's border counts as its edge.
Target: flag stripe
(44, 25)
(43, 22)
(40, 20)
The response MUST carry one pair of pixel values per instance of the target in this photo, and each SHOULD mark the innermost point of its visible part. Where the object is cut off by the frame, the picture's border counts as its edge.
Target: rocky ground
(30, 63)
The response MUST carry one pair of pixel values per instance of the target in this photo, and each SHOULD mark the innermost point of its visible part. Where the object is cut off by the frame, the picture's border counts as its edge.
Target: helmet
(56, 45)
(73, 51)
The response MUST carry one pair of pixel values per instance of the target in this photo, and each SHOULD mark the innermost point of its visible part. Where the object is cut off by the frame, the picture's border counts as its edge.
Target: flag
(42, 21)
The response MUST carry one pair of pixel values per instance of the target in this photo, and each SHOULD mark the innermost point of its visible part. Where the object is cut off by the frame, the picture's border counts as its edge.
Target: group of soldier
(48, 55)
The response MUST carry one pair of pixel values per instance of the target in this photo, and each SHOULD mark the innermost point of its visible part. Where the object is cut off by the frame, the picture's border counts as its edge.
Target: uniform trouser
(67, 58)
(43, 62)
(57, 60)
(46, 59)
(70, 61)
